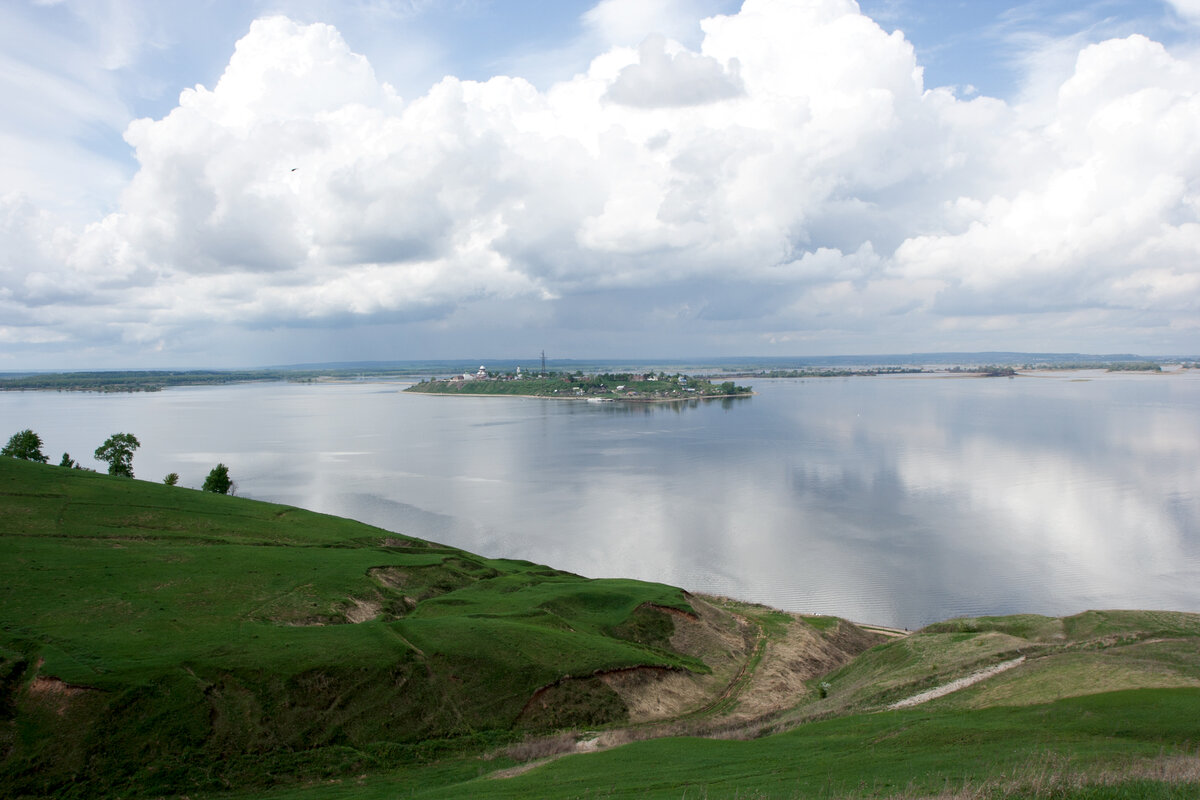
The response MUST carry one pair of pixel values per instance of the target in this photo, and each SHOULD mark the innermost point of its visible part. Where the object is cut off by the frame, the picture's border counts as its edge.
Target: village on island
(600, 387)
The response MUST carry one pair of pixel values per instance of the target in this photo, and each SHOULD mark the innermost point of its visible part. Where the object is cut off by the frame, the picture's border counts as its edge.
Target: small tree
(218, 480)
(25, 444)
(67, 461)
(171, 478)
(117, 450)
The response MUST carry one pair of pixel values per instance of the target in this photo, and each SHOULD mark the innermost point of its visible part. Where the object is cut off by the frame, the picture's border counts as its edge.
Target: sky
(229, 183)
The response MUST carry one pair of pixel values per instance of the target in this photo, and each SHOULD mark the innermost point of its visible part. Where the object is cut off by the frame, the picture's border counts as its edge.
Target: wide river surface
(890, 500)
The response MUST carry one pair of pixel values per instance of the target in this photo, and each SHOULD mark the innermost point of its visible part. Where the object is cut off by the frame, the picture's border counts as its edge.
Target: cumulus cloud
(1117, 199)
(791, 180)
(673, 79)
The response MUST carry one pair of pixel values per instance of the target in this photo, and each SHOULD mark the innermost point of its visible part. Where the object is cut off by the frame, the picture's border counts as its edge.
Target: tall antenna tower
(543, 362)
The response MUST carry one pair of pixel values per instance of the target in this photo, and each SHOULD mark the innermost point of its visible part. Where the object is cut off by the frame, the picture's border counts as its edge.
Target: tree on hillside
(218, 480)
(66, 461)
(25, 444)
(171, 478)
(117, 450)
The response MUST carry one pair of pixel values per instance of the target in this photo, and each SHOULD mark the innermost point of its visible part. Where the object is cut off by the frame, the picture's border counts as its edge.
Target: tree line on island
(117, 451)
(627, 386)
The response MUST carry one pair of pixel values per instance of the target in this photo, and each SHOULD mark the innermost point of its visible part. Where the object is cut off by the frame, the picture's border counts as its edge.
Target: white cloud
(662, 78)
(1188, 9)
(790, 175)
(1118, 198)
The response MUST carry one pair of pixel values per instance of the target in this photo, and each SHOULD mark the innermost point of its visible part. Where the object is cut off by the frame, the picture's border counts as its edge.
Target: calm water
(889, 500)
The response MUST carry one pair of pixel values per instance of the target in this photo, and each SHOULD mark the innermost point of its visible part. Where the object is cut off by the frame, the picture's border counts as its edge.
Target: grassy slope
(880, 754)
(1084, 748)
(1092, 652)
(204, 636)
(188, 617)
(1105, 706)
(1074, 721)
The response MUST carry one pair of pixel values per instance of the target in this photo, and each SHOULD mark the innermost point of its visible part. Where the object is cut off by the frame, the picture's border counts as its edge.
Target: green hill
(1103, 706)
(158, 641)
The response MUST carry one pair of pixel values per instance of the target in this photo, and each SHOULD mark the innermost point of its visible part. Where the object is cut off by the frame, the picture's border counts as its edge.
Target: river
(893, 500)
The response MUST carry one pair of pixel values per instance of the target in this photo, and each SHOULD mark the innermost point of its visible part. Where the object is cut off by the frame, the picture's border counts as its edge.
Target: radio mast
(543, 362)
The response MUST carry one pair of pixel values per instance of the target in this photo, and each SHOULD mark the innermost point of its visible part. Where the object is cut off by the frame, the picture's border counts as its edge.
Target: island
(649, 387)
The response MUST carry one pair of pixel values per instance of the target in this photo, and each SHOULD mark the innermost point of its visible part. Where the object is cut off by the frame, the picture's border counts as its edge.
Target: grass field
(1136, 744)
(158, 641)
(214, 638)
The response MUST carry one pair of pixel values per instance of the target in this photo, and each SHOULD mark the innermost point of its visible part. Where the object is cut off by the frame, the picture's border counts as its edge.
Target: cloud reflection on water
(882, 499)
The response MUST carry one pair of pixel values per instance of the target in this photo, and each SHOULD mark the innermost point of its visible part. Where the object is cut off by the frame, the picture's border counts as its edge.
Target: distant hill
(137, 380)
(738, 363)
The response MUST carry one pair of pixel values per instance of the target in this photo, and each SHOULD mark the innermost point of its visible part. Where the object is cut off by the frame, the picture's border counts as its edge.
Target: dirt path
(739, 681)
(954, 686)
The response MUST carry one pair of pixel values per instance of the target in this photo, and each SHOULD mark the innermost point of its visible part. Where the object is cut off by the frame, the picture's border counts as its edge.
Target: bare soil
(724, 642)
(739, 696)
(790, 662)
(363, 610)
(742, 688)
(54, 693)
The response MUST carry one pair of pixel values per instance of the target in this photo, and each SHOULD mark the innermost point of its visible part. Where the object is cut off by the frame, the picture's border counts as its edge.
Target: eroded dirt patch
(790, 661)
(746, 689)
(393, 577)
(55, 693)
(53, 687)
(363, 610)
(721, 640)
(726, 642)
